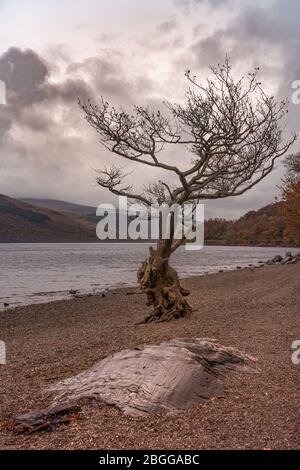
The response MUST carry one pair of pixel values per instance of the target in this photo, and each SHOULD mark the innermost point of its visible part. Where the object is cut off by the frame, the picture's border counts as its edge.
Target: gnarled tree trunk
(161, 284)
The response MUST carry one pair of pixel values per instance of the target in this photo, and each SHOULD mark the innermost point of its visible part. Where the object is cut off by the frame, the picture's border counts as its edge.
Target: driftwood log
(161, 379)
(45, 420)
(154, 379)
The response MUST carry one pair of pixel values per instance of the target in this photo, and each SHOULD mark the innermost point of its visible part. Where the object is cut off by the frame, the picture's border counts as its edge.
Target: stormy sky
(129, 51)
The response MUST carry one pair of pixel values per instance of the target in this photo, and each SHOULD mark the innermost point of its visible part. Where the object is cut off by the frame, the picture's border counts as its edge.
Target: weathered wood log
(162, 379)
(47, 419)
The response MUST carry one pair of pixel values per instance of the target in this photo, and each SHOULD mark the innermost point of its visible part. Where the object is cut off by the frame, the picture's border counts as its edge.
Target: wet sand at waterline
(256, 311)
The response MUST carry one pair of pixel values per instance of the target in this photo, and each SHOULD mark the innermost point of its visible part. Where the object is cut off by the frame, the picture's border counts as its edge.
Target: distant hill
(46, 220)
(61, 206)
(23, 222)
(88, 213)
(262, 227)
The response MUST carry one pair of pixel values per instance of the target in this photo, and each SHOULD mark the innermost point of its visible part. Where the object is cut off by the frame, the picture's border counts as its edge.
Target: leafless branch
(232, 128)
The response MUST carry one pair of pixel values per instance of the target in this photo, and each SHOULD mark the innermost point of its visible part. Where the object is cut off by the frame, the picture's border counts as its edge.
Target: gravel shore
(254, 310)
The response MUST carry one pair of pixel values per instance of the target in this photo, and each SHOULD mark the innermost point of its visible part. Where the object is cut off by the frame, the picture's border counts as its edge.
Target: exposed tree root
(164, 293)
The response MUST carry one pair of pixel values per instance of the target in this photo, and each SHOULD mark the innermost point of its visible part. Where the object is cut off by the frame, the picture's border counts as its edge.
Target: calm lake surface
(36, 273)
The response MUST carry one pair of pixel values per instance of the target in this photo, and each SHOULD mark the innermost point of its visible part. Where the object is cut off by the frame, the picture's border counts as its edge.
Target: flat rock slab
(157, 379)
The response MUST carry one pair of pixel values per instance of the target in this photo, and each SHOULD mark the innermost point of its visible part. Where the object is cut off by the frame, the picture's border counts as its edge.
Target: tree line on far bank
(273, 225)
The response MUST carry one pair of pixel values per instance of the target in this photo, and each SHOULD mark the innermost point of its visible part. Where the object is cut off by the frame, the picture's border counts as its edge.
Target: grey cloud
(187, 5)
(255, 30)
(166, 26)
(30, 94)
(43, 126)
(35, 118)
(45, 143)
(69, 91)
(210, 50)
(23, 73)
(268, 36)
(252, 37)
(110, 78)
(5, 124)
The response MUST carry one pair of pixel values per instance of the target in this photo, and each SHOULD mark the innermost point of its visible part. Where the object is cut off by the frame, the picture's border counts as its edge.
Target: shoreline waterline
(40, 273)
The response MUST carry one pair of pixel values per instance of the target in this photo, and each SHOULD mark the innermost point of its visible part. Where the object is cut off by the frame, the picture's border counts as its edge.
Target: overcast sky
(129, 51)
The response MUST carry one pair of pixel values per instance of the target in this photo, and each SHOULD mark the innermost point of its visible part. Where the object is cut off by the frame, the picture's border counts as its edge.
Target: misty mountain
(59, 221)
(61, 206)
(23, 222)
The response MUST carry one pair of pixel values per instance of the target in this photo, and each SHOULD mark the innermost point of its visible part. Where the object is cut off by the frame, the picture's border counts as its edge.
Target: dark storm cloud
(32, 97)
(43, 134)
(26, 76)
(35, 123)
(23, 73)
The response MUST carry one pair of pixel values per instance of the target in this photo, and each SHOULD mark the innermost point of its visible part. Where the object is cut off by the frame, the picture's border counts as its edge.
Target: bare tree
(233, 130)
(292, 165)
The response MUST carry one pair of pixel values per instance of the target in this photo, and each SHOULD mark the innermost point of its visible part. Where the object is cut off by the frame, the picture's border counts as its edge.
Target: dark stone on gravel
(292, 261)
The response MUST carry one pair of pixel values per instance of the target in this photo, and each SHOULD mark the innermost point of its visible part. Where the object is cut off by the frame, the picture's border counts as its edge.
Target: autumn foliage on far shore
(263, 227)
(273, 225)
(290, 207)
